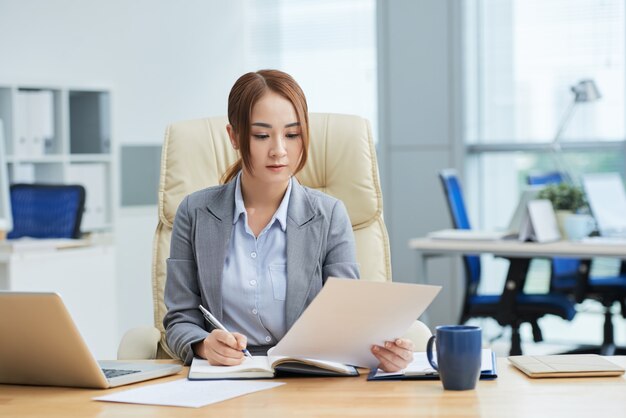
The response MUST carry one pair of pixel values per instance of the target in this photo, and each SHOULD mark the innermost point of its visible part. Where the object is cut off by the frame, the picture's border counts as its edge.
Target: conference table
(519, 255)
(428, 247)
(512, 394)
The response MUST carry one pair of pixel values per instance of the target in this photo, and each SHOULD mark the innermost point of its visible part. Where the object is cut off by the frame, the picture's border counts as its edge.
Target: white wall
(166, 60)
(419, 67)
(163, 61)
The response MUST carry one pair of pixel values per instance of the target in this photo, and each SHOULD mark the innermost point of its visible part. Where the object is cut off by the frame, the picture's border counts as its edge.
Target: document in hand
(266, 367)
(420, 369)
(349, 316)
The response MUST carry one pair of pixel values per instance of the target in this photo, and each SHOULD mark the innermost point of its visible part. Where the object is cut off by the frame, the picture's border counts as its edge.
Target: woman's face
(275, 139)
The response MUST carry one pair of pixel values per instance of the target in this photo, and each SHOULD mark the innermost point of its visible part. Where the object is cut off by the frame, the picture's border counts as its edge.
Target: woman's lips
(276, 167)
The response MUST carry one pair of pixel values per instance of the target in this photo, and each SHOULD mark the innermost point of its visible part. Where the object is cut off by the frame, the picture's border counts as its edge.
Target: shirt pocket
(278, 274)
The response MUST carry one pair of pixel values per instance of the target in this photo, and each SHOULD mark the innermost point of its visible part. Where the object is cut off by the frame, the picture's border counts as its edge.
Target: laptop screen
(607, 200)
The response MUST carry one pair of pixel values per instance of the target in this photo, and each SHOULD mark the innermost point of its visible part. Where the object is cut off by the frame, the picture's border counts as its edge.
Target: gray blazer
(320, 243)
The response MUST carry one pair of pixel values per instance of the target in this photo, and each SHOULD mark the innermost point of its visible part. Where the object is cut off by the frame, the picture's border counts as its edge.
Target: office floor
(559, 335)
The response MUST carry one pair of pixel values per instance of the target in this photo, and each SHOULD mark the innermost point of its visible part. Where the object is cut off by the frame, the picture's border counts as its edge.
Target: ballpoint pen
(217, 324)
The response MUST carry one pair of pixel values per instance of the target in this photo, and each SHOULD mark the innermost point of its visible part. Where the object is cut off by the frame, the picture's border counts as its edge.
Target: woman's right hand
(222, 348)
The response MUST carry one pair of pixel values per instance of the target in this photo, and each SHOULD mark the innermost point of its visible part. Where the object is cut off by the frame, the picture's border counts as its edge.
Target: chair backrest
(46, 210)
(456, 204)
(541, 178)
(563, 269)
(342, 163)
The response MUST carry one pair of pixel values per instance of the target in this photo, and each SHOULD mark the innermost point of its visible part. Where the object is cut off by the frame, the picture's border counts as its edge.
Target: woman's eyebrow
(267, 125)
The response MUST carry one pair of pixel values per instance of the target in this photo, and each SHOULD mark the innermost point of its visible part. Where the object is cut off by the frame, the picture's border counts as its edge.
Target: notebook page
(256, 363)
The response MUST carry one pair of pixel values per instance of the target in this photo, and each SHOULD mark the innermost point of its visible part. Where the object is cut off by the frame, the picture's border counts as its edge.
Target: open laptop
(42, 346)
(518, 219)
(607, 200)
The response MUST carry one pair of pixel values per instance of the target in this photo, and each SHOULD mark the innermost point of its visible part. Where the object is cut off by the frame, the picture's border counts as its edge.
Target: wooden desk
(511, 395)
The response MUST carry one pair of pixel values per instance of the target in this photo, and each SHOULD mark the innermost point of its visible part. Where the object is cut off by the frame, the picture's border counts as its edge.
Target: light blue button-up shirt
(254, 280)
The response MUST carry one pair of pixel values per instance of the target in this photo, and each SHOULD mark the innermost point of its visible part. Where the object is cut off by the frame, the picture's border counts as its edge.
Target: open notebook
(267, 367)
(566, 365)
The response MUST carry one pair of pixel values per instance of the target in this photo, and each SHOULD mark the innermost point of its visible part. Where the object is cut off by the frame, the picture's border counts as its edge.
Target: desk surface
(512, 248)
(512, 395)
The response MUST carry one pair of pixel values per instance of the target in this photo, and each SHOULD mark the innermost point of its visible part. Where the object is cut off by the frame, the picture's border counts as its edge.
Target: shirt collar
(281, 213)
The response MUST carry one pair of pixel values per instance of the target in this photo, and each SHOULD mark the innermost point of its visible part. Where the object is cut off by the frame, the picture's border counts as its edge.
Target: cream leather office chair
(342, 163)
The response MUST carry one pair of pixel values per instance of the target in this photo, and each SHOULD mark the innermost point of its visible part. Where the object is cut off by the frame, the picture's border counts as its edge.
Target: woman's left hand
(395, 355)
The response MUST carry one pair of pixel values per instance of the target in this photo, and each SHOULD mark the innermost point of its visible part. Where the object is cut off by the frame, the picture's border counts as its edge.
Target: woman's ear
(232, 136)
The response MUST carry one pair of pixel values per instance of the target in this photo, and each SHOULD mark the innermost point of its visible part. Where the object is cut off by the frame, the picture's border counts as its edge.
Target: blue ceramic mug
(459, 349)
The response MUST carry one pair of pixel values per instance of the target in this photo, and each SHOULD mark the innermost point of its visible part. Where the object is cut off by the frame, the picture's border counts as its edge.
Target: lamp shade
(586, 91)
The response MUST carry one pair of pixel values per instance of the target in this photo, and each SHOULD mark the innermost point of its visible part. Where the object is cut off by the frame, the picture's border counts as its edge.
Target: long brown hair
(246, 91)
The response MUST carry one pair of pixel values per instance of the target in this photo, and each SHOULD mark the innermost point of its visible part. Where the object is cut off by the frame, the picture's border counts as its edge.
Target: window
(328, 46)
(521, 58)
(529, 52)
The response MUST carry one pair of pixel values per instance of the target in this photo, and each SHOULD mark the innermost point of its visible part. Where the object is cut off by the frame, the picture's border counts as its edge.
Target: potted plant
(566, 199)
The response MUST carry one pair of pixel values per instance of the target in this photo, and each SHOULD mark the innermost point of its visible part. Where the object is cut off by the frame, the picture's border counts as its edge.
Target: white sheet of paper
(349, 316)
(607, 199)
(543, 221)
(468, 234)
(188, 393)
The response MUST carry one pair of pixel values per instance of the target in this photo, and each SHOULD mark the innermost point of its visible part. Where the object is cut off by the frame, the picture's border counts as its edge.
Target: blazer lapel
(303, 249)
(213, 232)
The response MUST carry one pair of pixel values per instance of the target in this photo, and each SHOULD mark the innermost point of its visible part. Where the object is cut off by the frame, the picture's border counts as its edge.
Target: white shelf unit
(62, 135)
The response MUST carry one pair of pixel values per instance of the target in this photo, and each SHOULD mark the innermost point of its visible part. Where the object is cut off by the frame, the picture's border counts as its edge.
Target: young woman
(257, 250)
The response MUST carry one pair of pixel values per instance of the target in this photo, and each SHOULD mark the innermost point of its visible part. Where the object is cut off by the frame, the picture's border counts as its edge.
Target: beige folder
(566, 365)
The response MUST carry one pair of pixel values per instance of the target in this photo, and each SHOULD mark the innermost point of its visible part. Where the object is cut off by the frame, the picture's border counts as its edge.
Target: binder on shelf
(35, 122)
(93, 177)
(22, 126)
(44, 122)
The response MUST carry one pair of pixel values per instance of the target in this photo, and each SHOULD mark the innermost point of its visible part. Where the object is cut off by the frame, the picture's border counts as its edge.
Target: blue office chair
(541, 179)
(571, 277)
(513, 307)
(46, 211)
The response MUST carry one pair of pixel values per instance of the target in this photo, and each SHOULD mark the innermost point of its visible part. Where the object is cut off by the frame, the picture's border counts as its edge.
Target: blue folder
(488, 373)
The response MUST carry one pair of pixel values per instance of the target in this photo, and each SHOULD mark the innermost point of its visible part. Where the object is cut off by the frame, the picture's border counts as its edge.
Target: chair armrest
(139, 344)
(419, 333)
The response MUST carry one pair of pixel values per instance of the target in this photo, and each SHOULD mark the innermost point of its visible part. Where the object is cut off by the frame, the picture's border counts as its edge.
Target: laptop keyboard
(110, 373)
